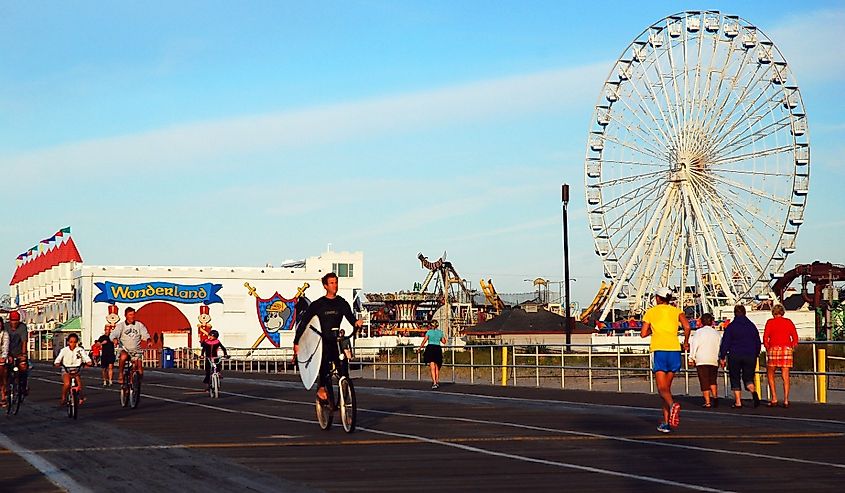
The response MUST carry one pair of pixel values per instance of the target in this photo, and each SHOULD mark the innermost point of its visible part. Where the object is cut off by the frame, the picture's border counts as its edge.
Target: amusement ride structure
(697, 165)
(443, 296)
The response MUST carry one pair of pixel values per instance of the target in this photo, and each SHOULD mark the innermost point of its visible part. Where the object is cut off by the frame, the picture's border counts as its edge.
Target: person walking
(704, 355)
(433, 352)
(740, 348)
(107, 359)
(661, 322)
(780, 339)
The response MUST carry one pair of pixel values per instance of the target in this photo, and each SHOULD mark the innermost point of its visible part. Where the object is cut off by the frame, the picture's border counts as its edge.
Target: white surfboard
(310, 354)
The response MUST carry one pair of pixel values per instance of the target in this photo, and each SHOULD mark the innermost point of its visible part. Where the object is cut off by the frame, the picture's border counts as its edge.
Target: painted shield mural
(275, 314)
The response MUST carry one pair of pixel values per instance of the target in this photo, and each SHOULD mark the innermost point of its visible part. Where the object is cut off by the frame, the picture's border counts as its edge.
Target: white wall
(236, 318)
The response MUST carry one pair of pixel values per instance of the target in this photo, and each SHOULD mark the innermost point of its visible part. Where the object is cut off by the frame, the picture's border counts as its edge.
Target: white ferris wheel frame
(697, 164)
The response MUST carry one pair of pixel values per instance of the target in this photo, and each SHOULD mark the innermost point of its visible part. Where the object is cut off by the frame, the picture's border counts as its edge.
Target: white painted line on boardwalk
(51, 472)
(436, 442)
(707, 414)
(516, 425)
(548, 430)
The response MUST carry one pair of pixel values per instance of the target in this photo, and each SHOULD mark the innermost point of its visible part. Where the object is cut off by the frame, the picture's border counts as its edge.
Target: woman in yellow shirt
(661, 322)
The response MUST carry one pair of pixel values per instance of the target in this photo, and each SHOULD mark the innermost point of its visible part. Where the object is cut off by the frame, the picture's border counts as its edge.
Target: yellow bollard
(504, 366)
(757, 377)
(822, 378)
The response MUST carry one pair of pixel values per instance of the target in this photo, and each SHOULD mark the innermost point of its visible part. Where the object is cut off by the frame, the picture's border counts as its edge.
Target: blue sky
(216, 133)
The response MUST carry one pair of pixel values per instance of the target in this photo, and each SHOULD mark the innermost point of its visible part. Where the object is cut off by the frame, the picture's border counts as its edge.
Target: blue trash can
(167, 357)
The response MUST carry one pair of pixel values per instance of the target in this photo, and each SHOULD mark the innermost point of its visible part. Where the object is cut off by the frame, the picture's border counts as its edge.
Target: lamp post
(564, 190)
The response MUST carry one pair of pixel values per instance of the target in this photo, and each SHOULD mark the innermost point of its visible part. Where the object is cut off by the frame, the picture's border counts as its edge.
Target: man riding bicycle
(127, 335)
(18, 339)
(330, 309)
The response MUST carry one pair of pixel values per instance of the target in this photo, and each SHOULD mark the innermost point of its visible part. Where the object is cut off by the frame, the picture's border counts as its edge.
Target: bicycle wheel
(325, 416)
(215, 386)
(348, 406)
(135, 390)
(18, 397)
(11, 397)
(73, 404)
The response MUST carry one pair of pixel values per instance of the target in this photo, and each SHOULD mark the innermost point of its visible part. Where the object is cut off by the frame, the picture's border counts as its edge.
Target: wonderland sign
(111, 292)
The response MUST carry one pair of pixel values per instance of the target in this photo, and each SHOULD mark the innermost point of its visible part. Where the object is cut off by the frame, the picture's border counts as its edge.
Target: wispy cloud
(191, 143)
(809, 42)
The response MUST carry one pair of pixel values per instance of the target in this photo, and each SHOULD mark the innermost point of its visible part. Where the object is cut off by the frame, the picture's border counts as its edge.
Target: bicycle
(130, 390)
(14, 389)
(344, 398)
(214, 378)
(72, 399)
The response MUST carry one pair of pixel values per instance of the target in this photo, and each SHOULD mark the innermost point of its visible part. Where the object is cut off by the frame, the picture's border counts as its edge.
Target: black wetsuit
(330, 312)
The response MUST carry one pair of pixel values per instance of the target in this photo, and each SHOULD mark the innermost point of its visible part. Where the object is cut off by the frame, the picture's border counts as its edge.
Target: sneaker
(434, 386)
(675, 415)
(756, 398)
(664, 428)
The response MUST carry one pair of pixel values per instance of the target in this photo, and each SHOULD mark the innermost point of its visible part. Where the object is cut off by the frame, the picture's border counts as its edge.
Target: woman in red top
(780, 338)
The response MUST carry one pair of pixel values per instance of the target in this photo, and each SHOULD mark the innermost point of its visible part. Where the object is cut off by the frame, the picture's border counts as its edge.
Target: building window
(343, 270)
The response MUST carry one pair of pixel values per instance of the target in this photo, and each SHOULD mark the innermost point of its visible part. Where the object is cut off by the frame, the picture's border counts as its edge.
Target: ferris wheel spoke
(670, 108)
(620, 281)
(648, 125)
(733, 253)
(628, 196)
(748, 228)
(749, 189)
(666, 124)
(713, 101)
(703, 96)
(638, 209)
(645, 150)
(631, 179)
(656, 245)
(726, 109)
(645, 137)
(749, 115)
(737, 158)
(733, 211)
(678, 102)
(725, 116)
(715, 262)
(744, 138)
(637, 163)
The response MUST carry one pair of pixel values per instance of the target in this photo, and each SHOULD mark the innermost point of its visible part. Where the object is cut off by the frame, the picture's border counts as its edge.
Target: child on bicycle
(71, 357)
(210, 350)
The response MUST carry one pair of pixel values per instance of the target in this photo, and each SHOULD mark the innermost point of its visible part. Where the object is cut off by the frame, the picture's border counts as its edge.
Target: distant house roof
(518, 321)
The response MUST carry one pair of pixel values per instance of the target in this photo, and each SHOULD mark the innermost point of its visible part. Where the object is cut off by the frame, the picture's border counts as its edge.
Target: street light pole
(564, 189)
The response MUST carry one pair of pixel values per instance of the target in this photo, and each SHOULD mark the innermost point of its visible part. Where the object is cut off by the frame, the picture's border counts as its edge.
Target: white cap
(664, 292)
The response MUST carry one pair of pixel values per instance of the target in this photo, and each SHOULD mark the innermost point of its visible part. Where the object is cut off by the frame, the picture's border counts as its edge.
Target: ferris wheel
(697, 164)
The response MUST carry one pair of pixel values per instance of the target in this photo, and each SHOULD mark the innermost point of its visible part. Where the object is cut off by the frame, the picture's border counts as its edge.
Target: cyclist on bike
(330, 309)
(18, 341)
(127, 335)
(4, 355)
(71, 357)
(210, 349)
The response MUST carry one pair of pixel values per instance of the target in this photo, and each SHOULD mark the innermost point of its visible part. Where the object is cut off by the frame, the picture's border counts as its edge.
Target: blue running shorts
(668, 361)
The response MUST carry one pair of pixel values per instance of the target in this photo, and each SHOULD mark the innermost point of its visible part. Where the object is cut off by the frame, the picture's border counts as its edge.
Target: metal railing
(610, 366)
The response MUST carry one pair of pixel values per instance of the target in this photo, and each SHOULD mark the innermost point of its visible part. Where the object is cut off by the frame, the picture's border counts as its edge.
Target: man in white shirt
(127, 335)
(704, 354)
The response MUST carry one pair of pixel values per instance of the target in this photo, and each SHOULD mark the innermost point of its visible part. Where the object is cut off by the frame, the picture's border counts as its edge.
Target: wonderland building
(250, 307)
